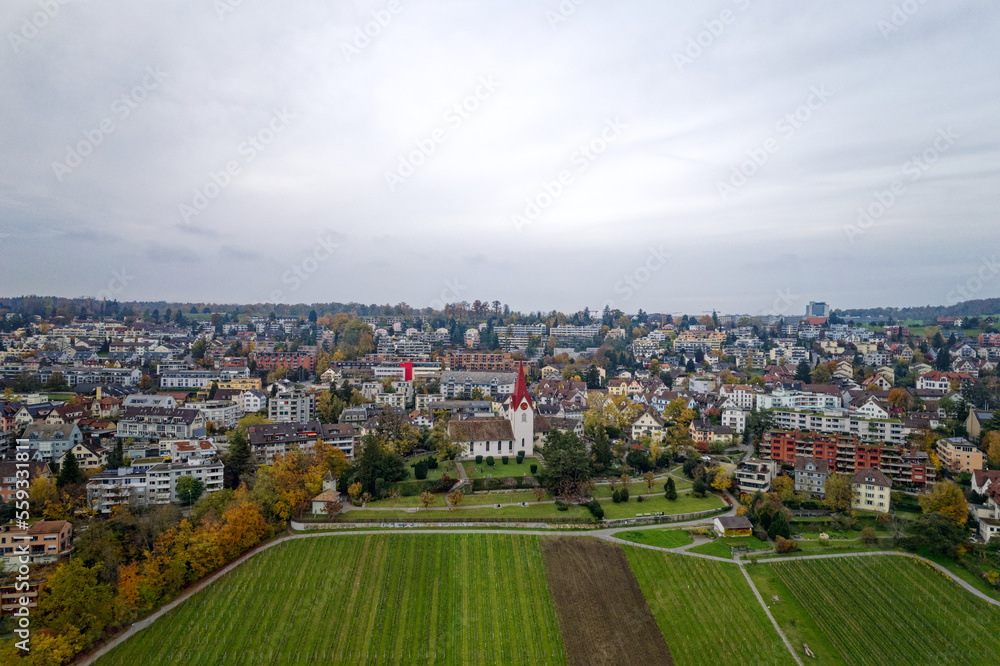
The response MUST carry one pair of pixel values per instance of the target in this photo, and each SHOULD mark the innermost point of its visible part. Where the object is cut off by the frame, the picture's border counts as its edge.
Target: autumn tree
(991, 443)
(900, 398)
(784, 486)
(427, 498)
(455, 497)
(838, 493)
(73, 598)
(539, 493)
(947, 499)
(723, 481)
(354, 492)
(333, 507)
(650, 479)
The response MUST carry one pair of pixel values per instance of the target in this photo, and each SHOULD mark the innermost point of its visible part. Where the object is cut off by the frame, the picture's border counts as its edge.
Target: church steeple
(521, 395)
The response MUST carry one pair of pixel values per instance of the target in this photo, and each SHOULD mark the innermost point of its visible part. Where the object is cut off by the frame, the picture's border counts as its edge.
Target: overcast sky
(547, 155)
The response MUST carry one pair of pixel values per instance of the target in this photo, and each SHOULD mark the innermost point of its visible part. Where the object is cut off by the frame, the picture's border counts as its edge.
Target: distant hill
(977, 308)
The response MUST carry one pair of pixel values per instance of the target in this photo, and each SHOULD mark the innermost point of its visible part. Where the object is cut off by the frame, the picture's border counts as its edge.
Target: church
(496, 437)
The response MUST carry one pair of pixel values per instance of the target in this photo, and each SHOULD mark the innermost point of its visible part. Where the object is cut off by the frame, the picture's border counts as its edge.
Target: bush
(490, 461)
(700, 488)
(779, 526)
(596, 510)
(432, 462)
(670, 489)
(624, 494)
(783, 545)
(562, 507)
(414, 488)
(479, 460)
(868, 536)
(505, 460)
(534, 468)
(420, 471)
(520, 457)
(639, 498)
(616, 496)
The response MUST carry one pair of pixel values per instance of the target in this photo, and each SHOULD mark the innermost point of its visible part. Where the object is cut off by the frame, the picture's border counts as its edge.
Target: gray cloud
(275, 123)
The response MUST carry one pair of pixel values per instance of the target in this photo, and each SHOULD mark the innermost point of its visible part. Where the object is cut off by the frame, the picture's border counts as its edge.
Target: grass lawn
(722, 547)
(962, 573)
(502, 498)
(684, 503)
(446, 467)
(659, 538)
(499, 469)
(836, 546)
(513, 513)
(706, 611)
(405, 502)
(385, 599)
(922, 617)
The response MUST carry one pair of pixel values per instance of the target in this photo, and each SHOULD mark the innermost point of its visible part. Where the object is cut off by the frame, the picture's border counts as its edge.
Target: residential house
(9, 476)
(649, 424)
(292, 407)
(732, 526)
(90, 455)
(870, 488)
(52, 441)
(44, 542)
(960, 455)
(755, 474)
(155, 423)
(974, 422)
(811, 475)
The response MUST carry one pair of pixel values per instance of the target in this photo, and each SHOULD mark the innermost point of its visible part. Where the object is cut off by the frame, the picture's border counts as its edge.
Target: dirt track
(603, 616)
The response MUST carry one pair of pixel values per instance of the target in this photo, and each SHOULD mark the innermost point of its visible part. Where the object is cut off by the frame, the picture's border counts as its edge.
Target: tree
(455, 497)
(354, 492)
(937, 533)
(427, 498)
(75, 599)
(700, 487)
(783, 545)
(539, 493)
(784, 486)
(838, 492)
(947, 499)
(650, 479)
(991, 442)
(723, 481)
(56, 382)
(600, 450)
(670, 489)
(239, 460)
(566, 460)
(117, 456)
(779, 526)
(69, 471)
(802, 372)
(189, 489)
(868, 535)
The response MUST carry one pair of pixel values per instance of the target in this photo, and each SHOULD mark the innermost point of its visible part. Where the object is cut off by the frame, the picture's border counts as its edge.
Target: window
(510, 445)
(487, 446)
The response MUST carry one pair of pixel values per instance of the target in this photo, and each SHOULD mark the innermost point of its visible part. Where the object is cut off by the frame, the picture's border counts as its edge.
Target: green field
(411, 598)
(479, 499)
(723, 547)
(706, 611)
(684, 503)
(878, 610)
(546, 511)
(658, 538)
(499, 469)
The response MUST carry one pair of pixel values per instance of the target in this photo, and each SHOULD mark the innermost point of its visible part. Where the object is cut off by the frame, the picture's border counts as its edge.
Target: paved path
(767, 610)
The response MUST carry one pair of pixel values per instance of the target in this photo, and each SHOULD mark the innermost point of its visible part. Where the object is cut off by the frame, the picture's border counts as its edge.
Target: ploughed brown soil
(603, 617)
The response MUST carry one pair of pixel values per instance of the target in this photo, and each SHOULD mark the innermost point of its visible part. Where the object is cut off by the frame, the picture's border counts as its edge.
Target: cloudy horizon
(734, 156)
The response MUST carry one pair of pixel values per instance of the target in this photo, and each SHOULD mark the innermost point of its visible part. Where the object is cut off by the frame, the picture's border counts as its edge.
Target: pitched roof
(480, 430)
(521, 389)
(871, 475)
(822, 466)
(735, 522)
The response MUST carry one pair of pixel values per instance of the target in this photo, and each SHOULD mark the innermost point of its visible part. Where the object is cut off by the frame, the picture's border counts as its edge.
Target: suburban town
(145, 448)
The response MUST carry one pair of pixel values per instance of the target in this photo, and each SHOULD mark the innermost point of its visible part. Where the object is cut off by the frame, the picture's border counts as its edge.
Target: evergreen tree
(802, 371)
(601, 449)
(670, 489)
(117, 456)
(69, 471)
(779, 526)
(239, 459)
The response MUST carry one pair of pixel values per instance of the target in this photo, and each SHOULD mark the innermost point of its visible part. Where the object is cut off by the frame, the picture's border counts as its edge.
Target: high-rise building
(815, 309)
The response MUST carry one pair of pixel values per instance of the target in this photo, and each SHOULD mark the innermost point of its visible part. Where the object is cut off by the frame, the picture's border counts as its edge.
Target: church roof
(521, 390)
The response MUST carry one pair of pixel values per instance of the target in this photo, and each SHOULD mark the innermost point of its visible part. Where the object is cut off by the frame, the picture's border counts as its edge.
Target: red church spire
(520, 390)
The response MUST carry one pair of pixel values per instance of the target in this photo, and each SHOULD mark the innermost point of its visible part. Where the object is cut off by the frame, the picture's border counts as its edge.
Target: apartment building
(959, 455)
(146, 485)
(155, 423)
(292, 407)
(840, 421)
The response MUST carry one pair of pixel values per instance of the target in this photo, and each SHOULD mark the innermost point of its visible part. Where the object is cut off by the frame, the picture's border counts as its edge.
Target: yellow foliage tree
(947, 499)
(723, 481)
(991, 443)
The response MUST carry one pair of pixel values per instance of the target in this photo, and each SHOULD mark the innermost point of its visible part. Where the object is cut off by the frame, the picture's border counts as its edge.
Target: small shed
(732, 526)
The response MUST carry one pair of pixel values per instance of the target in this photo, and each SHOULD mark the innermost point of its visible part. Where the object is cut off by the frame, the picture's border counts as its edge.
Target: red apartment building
(287, 360)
